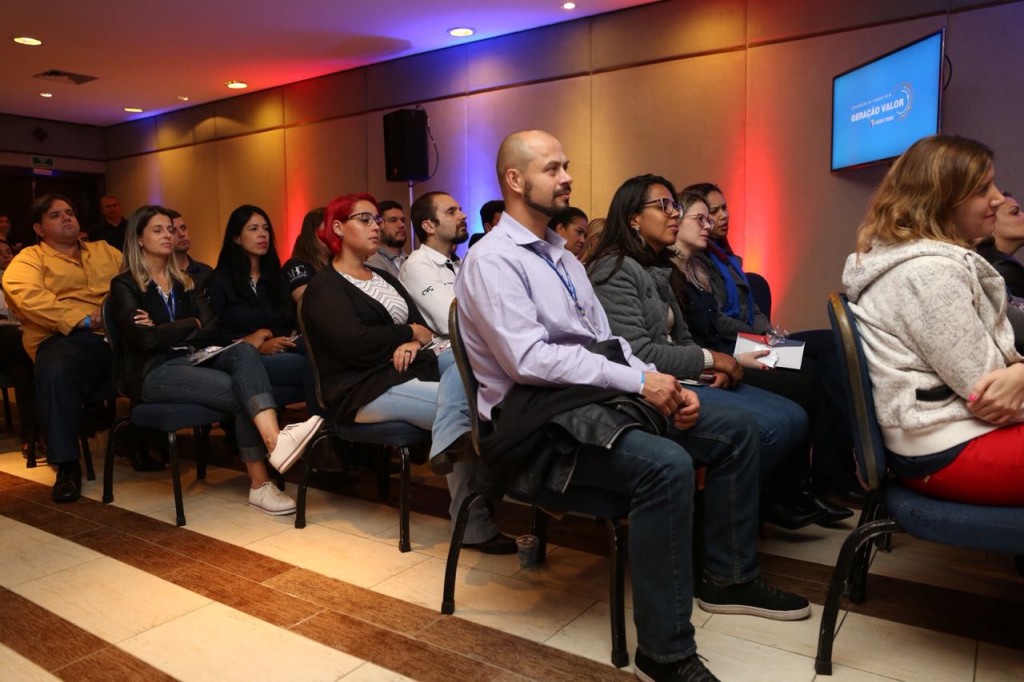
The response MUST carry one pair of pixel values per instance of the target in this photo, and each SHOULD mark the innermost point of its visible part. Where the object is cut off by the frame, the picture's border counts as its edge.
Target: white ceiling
(146, 53)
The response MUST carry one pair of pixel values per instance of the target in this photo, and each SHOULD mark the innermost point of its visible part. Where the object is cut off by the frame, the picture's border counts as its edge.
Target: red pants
(989, 471)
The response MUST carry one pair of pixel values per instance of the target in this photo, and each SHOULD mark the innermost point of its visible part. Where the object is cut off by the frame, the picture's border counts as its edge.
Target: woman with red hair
(375, 355)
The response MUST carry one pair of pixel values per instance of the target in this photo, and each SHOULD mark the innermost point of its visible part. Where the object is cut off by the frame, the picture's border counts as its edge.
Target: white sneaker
(292, 441)
(271, 500)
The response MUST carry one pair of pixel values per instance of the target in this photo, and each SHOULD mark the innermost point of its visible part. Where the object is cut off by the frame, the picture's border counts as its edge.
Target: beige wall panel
(188, 183)
(185, 126)
(322, 161)
(250, 170)
(339, 94)
(416, 79)
(799, 219)
(984, 99)
(136, 137)
(64, 139)
(684, 120)
(667, 29)
(135, 181)
(559, 50)
(561, 108)
(250, 113)
(447, 119)
(778, 20)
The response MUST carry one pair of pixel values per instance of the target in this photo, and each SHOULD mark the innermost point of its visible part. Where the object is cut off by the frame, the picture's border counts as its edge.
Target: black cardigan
(140, 349)
(353, 338)
(241, 312)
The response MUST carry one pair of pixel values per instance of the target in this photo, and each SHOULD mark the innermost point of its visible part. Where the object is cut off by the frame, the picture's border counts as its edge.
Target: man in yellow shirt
(55, 288)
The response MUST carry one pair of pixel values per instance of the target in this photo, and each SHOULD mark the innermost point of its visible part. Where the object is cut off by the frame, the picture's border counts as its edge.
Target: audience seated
(199, 272)
(390, 256)
(162, 317)
(948, 383)
(594, 230)
(571, 225)
(249, 297)
(371, 345)
(715, 323)
(1006, 239)
(309, 254)
(528, 314)
(637, 285)
(55, 289)
(16, 362)
(490, 214)
(111, 228)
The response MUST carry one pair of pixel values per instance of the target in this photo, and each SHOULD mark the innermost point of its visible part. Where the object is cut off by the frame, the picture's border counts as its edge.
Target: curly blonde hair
(920, 193)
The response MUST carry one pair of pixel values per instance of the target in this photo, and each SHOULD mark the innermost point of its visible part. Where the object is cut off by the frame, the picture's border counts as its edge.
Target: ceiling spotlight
(46, 94)
(26, 40)
(461, 32)
(182, 98)
(237, 85)
(133, 110)
(568, 5)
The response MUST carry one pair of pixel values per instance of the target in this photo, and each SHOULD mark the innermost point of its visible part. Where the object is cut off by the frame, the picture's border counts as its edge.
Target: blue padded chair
(890, 507)
(168, 418)
(396, 436)
(608, 507)
(761, 292)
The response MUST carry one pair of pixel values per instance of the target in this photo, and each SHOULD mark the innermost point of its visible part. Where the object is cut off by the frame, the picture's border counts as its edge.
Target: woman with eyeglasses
(248, 294)
(638, 287)
(160, 315)
(376, 357)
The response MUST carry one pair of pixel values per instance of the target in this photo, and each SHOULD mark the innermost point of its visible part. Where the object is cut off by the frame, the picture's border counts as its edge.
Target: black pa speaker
(405, 145)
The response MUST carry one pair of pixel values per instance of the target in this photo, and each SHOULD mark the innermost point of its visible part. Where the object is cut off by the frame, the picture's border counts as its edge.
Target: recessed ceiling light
(568, 5)
(133, 110)
(26, 40)
(237, 85)
(182, 98)
(461, 32)
(46, 94)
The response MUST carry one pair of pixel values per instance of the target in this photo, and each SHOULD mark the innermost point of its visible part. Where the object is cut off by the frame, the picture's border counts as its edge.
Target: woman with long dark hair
(160, 316)
(309, 255)
(633, 277)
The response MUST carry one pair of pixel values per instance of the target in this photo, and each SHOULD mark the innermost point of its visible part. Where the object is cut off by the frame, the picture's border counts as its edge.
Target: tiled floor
(93, 591)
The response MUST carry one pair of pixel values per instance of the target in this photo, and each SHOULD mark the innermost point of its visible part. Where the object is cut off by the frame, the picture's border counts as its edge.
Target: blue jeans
(782, 424)
(658, 474)
(233, 382)
(68, 369)
(292, 369)
(443, 408)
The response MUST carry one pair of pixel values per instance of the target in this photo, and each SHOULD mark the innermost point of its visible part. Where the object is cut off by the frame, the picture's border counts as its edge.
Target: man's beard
(550, 210)
(461, 234)
(394, 242)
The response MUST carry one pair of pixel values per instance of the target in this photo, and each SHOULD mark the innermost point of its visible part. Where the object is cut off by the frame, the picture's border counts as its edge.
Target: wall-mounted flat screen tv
(882, 107)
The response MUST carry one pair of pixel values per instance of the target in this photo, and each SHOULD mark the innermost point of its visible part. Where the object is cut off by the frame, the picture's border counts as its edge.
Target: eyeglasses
(668, 206)
(702, 220)
(366, 218)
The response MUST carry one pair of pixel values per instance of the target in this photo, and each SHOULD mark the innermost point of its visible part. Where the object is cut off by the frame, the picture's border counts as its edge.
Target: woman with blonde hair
(160, 316)
(948, 383)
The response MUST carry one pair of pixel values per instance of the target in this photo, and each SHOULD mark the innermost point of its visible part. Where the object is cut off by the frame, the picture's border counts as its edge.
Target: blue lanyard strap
(169, 302)
(563, 275)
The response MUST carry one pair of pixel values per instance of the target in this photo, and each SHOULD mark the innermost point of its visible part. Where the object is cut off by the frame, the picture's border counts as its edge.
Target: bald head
(534, 177)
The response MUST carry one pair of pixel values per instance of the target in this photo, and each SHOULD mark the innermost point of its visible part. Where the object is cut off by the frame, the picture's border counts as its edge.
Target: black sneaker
(754, 598)
(68, 487)
(687, 670)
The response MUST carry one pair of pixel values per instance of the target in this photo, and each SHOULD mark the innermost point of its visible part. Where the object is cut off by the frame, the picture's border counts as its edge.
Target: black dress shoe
(68, 487)
(499, 544)
(791, 513)
(834, 513)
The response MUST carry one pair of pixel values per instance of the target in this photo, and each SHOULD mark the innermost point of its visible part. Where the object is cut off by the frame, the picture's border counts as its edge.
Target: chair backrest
(109, 323)
(469, 382)
(310, 356)
(761, 292)
(869, 448)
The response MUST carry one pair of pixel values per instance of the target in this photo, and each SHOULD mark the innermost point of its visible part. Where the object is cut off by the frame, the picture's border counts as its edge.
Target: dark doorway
(19, 187)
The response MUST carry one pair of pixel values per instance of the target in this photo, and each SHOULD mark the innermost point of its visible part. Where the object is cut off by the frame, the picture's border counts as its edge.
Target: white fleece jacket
(931, 314)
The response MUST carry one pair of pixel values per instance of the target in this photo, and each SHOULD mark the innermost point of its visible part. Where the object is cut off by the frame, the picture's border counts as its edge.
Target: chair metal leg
(617, 603)
(90, 472)
(7, 410)
(840, 577)
(403, 501)
(201, 437)
(451, 567)
(172, 454)
(108, 460)
(539, 527)
(300, 498)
